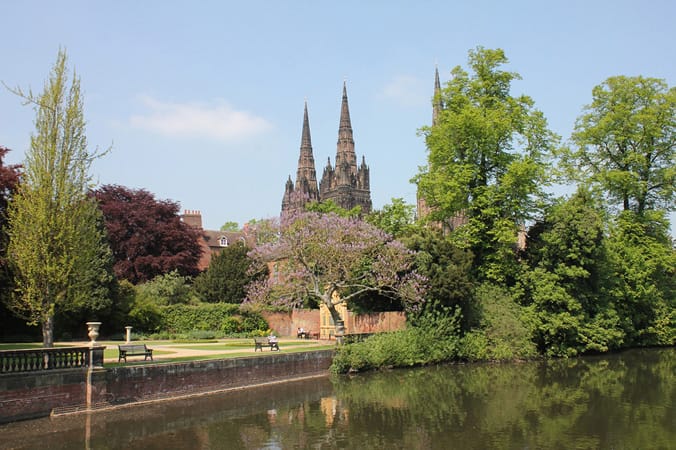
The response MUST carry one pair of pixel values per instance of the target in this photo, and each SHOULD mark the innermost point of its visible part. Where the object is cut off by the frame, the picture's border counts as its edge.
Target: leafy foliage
(502, 334)
(487, 161)
(167, 289)
(228, 276)
(330, 207)
(626, 143)
(396, 218)
(9, 179)
(230, 226)
(147, 235)
(644, 263)
(435, 338)
(566, 289)
(448, 271)
(57, 247)
(224, 317)
(334, 259)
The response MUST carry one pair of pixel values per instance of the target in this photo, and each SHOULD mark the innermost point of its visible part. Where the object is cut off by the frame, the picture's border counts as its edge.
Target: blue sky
(202, 101)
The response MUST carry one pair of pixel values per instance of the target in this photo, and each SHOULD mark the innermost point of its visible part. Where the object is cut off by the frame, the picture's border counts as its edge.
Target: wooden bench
(260, 342)
(134, 350)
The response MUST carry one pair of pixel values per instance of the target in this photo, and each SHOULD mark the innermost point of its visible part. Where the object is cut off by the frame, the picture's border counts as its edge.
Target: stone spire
(345, 148)
(306, 188)
(346, 184)
(306, 174)
(436, 101)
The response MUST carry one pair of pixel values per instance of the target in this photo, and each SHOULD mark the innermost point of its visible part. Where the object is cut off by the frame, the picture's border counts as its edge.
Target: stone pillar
(128, 328)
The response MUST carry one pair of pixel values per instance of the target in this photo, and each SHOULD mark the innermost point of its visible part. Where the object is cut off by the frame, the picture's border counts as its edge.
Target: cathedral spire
(305, 141)
(436, 101)
(306, 188)
(306, 176)
(345, 148)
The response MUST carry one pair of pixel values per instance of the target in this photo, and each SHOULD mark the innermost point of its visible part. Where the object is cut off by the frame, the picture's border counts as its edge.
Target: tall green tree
(487, 161)
(644, 262)
(566, 290)
(626, 143)
(56, 244)
(228, 275)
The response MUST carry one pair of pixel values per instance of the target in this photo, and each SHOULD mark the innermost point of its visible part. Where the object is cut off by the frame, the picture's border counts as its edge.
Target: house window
(223, 241)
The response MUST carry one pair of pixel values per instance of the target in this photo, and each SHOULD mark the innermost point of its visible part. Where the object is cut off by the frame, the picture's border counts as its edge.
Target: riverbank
(38, 394)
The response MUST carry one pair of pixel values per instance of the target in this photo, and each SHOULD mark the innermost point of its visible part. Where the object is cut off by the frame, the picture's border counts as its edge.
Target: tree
(395, 218)
(230, 226)
(626, 143)
(147, 235)
(228, 275)
(566, 290)
(487, 161)
(448, 271)
(265, 231)
(9, 179)
(644, 263)
(334, 259)
(56, 248)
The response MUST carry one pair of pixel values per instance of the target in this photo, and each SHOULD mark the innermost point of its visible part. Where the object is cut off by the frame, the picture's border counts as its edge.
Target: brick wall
(37, 394)
(287, 323)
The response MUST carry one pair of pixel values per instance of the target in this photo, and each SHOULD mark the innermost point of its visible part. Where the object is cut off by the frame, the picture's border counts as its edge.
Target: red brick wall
(36, 394)
(286, 324)
(129, 384)
(376, 322)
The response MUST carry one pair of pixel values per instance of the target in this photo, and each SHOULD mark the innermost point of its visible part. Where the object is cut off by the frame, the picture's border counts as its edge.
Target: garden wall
(287, 323)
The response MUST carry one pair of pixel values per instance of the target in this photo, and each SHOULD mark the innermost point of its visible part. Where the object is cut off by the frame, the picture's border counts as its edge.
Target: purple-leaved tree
(334, 259)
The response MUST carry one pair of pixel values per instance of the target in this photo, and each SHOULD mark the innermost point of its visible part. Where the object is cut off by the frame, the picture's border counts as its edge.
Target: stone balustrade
(15, 361)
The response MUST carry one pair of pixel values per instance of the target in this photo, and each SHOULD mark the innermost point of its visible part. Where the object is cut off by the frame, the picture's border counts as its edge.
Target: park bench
(259, 342)
(134, 350)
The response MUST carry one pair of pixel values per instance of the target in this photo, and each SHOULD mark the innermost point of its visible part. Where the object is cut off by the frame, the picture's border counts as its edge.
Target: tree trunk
(337, 321)
(48, 331)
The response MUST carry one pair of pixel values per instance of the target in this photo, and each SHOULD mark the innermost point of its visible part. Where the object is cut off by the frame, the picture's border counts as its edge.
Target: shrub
(434, 338)
(503, 334)
(224, 318)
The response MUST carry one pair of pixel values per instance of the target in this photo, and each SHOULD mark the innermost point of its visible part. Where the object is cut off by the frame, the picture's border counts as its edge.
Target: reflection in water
(622, 401)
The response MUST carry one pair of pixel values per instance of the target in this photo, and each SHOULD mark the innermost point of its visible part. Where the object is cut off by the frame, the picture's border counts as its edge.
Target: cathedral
(346, 183)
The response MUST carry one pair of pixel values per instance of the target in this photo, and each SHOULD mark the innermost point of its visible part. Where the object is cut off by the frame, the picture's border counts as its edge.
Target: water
(621, 401)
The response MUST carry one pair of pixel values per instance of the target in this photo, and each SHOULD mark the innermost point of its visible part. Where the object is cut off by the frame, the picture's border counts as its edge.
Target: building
(346, 183)
(214, 241)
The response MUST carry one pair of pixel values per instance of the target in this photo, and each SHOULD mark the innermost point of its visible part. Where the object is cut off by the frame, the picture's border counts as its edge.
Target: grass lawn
(232, 348)
(138, 361)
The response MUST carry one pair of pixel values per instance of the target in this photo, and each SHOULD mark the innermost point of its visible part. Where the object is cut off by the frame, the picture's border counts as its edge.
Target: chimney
(192, 218)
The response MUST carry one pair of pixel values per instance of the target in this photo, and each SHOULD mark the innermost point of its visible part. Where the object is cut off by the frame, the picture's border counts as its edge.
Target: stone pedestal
(128, 334)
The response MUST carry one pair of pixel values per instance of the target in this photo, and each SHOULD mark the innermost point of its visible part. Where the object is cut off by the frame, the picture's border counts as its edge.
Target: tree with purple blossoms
(335, 259)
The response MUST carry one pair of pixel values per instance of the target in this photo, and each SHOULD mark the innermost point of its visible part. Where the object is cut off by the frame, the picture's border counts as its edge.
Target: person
(301, 332)
(272, 339)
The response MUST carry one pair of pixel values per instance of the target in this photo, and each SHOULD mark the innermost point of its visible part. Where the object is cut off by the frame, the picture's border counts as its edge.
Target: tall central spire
(345, 148)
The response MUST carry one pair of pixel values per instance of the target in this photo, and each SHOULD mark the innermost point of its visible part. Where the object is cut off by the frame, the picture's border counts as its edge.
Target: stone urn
(93, 332)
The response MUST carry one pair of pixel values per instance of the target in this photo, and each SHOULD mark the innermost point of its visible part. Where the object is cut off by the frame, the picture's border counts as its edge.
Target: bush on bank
(434, 338)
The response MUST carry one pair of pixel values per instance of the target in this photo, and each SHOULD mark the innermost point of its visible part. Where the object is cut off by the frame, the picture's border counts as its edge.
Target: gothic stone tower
(305, 190)
(347, 184)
